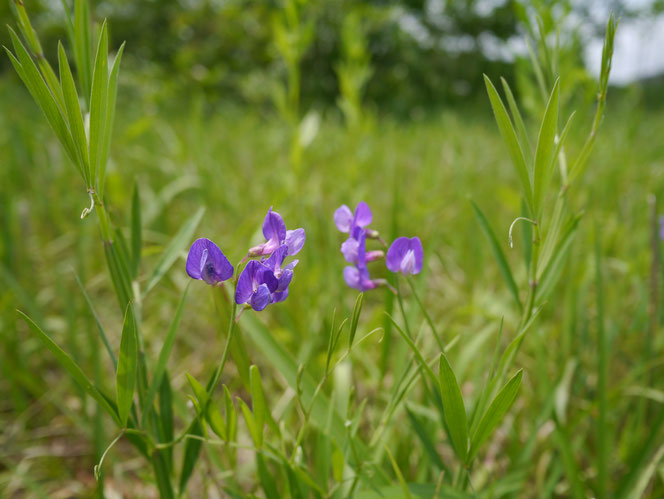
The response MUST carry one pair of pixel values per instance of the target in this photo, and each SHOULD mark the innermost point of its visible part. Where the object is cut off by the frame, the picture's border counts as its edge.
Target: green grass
(418, 178)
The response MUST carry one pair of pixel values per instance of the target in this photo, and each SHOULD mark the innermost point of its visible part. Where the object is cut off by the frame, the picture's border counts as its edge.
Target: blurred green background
(235, 106)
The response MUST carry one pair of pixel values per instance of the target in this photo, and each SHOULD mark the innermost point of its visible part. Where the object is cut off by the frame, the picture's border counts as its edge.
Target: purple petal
(362, 214)
(261, 298)
(277, 258)
(291, 265)
(284, 280)
(350, 248)
(396, 253)
(274, 228)
(265, 276)
(343, 218)
(207, 262)
(416, 246)
(352, 277)
(295, 240)
(280, 296)
(245, 284)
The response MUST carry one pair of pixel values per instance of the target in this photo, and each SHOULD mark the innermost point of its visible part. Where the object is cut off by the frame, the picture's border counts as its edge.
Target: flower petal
(284, 280)
(265, 276)
(280, 296)
(343, 218)
(362, 214)
(395, 254)
(277, 258)
(416, 246)
(245, 289)
(261, 298)
(350, 248)
(206, 261)
(295, 240)
(352, 277)
(274, 228)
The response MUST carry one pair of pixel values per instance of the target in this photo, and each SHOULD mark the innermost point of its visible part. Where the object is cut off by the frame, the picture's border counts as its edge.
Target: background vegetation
(217, 109)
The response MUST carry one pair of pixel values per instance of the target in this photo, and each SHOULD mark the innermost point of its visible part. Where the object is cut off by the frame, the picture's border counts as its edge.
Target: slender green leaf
(83, 47)
(510, 138)
(174, 248)
(250, 419)
(231, 415)
(266, 479)
(258, 399)
(110, 118)
(72, 368)
(136, 235)
(338, 462)
(127, 362)
(603, 432)
(166, 415)
(74, 116)
(521, 131)
(212, 412)
(397, 471)
(160, 467)
(164, 355)
(191, 450)
(553, 270)
(498, 254)
(357, 310)
(495, 414)
(546, 142)
(425, 438)
(455, 412)
(98, 103)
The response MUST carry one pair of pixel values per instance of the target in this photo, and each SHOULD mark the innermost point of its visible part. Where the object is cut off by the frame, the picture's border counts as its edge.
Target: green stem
(532, 278)
(439, 340)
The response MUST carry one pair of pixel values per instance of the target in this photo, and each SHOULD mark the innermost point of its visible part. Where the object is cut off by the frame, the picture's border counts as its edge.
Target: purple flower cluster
(261, 282)
(404, 255)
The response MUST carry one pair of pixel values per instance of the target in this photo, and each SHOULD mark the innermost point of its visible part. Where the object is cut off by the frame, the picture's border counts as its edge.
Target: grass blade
(110, 118)
(494, 414)
(127, 366)
(498, 254)
(136, 235)
(174, 248)
(71, 367)
(425, 437)
(520, 126)
(82, 47)
(355, 319)
(164, 355)
(453, 408)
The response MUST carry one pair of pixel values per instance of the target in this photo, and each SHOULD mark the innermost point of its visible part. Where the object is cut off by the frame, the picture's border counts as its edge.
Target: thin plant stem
(439, 340)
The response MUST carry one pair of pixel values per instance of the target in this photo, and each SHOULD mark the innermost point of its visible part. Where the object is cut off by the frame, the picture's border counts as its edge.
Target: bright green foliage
(125, 378)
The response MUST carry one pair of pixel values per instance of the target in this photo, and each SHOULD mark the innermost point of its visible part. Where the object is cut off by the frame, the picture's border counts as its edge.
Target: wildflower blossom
(357, 276)
(283, 275)
(405, 255)
(206, 262)
(256, 285)
(347, 221)
(274, 230)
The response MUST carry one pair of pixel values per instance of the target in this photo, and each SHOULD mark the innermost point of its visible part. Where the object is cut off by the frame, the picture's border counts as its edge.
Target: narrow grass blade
(174, 248)
(603, 434)
(498, 254)
(212, 413)
(250, 420)
(257, 399)
(266, 479)
(546, 141)
(98, 103)
(397, 472)
(495, 414)
(425, 438)
(418, 355)
(510, 138)
(162, 475)
(72, 368)
(164, 355)
(166, 415)
(454, 409)
(100, 328)
(191, 450)
(127, 362)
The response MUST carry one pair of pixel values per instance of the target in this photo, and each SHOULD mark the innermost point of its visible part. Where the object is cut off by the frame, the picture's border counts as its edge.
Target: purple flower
(351, 249)
(357, 276)
(256, 285)
(283, 275)
(206, 262)
(274, 230)
(348, 222)
(405, 255)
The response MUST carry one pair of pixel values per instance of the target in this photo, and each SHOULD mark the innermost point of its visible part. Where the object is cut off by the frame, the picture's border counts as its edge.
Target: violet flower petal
(363, 214)
(207, 262)
(405, 255)
(350, 248)
(295, 240)
(343, 218)
(274, 228)
(245, 284)
(261, 298)
(279, 296)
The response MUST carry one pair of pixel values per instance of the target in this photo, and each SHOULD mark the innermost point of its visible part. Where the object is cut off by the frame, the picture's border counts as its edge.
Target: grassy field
(588, 417)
